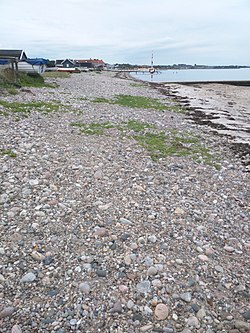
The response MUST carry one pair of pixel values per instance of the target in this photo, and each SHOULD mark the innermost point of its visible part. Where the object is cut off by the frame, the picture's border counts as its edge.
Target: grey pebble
(246, 315)
(186, 297)
(101, 273)
(7, 312)
(29, 277)
(144, 287)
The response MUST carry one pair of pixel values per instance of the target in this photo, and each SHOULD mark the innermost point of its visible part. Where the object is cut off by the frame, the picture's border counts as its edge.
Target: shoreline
(218, 115)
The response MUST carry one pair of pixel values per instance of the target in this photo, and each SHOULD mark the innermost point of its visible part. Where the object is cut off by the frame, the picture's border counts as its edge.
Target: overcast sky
(126, 31)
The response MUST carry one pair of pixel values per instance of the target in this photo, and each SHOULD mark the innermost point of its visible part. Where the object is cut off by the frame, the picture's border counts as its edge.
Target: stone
(84, 288)
(203, 257)
(130, 304)
(152, 239)
(137, 316)
(246, 315)
(29, 277)
(3, 198)
(186, 297)
(161, 311)
(16, 329)
(124, 237)
(229, 249)
(195, 307)
(156, 283)
(117, 308)
(7, 312)
(101, 232)
(186, 330)
(98, 174)
(144, 287)
(48, 260)
(201, 313)
(146, 328)
(33, 182)
(179, 211)
(193, 322)
(101, 273)
(128, 260)
(152, 271)
(123, 288)
(219, 268)
(147, 311)
(73, 322)
(125, 221)
(242, 326)
(37, 256)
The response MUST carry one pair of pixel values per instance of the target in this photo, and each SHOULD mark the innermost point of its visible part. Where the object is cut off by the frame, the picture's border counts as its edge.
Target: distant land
(178, 66)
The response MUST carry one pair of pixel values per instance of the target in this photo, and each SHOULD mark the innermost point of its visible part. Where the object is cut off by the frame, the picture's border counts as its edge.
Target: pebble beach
(97, 235)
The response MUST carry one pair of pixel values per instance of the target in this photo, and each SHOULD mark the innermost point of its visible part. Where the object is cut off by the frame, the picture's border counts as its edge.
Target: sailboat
(151, 69)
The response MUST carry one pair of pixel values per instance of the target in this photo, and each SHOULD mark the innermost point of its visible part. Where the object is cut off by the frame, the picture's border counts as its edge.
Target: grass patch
(161, 145)
(137, 126)
(26, 108)
(102, 100)
(93, 128)
(8, 152)
(133, 102)
(12, 91)
(63, 75)
(176, 109)
(158, 144)
(141, 102)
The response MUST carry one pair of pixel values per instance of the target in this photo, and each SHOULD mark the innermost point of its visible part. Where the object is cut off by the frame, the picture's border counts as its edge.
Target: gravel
(98, 237)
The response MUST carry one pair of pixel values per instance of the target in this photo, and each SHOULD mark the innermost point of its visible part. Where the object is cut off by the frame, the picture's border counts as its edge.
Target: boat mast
(151, 69)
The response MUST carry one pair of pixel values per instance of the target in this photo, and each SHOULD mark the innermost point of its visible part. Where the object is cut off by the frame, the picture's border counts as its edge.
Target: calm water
(187, 75)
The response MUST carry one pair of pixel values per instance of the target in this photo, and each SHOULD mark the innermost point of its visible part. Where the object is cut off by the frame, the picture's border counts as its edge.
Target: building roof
(95, 61)
(68, 60)
(19, 54)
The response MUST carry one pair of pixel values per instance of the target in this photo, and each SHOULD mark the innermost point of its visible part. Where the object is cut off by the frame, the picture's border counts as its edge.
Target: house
(18, 60)
(67, 63)
(13, 54)
(37, 65)
(90, 63)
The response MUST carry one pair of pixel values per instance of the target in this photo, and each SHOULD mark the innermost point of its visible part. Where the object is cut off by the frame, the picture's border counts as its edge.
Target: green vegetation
(132, 101)
(161, 145)
(12, 91)
(26, 108)
(10, 79)
(93, 128)
(140, 102)
(62, 75)
(158, 144)
(7, 152)
(176, 108)
(31, 80)
(102, 100)
(137, 126)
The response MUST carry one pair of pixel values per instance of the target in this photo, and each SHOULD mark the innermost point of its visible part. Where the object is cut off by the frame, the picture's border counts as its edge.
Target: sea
(194, 75)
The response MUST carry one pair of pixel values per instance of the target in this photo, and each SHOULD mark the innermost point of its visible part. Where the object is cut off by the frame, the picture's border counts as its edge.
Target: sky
(212, 32)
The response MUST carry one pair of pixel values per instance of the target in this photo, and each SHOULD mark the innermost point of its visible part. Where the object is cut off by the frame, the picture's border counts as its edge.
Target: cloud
(128, 30)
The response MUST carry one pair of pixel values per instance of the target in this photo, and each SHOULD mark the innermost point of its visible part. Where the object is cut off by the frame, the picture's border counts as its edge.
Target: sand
(226, 106)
